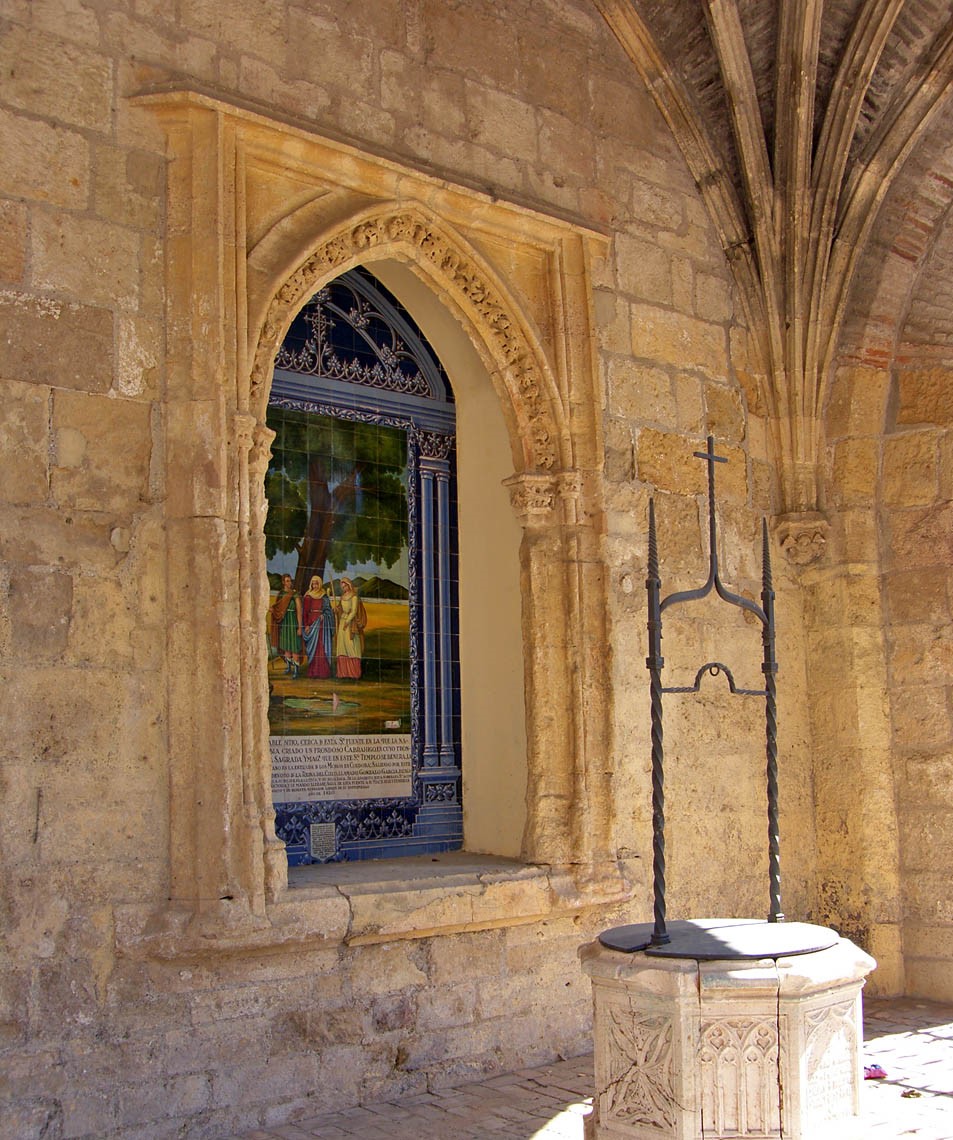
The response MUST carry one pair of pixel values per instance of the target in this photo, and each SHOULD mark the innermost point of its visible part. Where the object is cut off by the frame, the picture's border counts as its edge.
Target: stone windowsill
(376, 901)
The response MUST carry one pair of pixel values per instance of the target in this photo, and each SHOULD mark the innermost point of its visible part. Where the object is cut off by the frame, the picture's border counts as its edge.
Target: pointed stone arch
(408, 232)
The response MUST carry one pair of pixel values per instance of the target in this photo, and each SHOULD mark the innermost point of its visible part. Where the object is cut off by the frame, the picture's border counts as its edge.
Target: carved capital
(260, 455)
(803, 536)
(533, 497)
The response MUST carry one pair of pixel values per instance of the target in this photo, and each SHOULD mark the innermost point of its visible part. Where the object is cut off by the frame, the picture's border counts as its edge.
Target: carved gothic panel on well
(638, 1079)
(831, 1047)
(738, 1067)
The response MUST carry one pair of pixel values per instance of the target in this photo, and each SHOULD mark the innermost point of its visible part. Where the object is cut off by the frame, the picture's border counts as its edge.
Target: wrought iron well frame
(655, 662)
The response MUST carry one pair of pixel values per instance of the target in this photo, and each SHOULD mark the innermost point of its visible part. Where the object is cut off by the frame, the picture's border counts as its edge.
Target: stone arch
(501, 333)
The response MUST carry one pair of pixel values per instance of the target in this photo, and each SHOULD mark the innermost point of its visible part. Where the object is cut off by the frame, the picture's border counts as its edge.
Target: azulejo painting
(361, 555)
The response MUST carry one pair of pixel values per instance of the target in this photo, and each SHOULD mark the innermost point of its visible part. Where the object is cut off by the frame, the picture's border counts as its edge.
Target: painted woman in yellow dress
(349, 641)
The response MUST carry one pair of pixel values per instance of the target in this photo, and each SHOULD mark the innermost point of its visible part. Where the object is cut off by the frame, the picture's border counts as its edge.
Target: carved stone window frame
(260, 215)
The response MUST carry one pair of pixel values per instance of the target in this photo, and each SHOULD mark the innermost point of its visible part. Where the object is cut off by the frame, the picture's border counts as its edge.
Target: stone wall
(917, 488)
(532, 103)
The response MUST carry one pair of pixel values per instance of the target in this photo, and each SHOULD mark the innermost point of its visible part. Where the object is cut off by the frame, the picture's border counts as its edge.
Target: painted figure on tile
(352, 621)
(319, 629)
(287, 616)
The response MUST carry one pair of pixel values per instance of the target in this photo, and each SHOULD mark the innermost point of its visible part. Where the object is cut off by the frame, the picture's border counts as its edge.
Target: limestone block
(103, 448)
(100, 624)
(388, 968)
(500, 122)
(921, 716)
(679, 532)
(933, 770)
(43, 162)
(645, 272)
(928, 977)
(260, 30)
(665, 460)
(857, 402)
(620, 451)
(945, 465)
(42, 536)
(89, 259)
(640, 392)
(656, 206)
(447, 1007)
(713, 298)
(482, 951)
(56, 80)
(910, 469)
(556, 88)
(683, 284)
(66, 19)
(917, 595)
(562, 148)
(128, 186)
(925, 397)
(855, 471)
(725, 418)
(13, 236)
(689, 401)
(40, 601)
(456, 37)
(138, 352)
(675, 339)
(43, 341)
(920, 537)
(24, 442)
(921, 654)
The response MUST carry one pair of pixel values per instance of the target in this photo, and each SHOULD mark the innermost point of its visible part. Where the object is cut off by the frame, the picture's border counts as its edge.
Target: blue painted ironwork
(655, 663)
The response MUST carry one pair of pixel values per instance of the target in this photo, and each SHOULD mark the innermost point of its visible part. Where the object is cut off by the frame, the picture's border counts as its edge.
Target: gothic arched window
(361, 549)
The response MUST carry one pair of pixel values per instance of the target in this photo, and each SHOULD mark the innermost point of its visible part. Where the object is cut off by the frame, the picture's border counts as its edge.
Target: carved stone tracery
(471, 287)
(639, 1092)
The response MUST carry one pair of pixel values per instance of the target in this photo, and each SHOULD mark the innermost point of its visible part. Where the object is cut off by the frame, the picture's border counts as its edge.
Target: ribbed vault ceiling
(819, 133)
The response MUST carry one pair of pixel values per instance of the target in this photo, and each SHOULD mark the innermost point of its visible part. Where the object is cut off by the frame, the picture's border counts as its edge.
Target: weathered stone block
(482, 951)
(674, 339)
(501, 122)
(24, 442)
(128, 186)
(857, 402)
(910, 469)
(725, 415)
(455, 38)
(665, 460)
(43, 162)
(925, 397)
(855, 471)
(921, 717)
(644, 271)
(260, 31)
(43, 341)
(40, 602)
(93, 260)
(13, 238)
(641, 393)
(56, 80)
(103, 450)
(919, 595)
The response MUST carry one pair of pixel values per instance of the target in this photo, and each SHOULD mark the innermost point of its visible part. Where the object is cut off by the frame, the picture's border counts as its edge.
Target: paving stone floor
(912, 1040)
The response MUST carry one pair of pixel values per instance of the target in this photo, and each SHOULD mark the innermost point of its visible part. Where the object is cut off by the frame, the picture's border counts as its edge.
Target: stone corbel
(803, 536)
